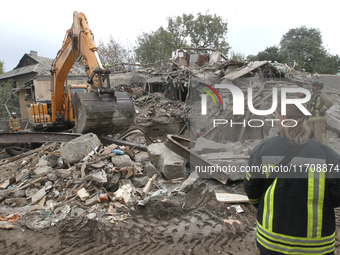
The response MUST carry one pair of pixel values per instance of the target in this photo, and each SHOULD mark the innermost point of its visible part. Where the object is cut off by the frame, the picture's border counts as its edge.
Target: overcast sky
(252, 25)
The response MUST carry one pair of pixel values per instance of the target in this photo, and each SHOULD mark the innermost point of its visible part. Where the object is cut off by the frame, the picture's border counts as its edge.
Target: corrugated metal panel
(244, 70)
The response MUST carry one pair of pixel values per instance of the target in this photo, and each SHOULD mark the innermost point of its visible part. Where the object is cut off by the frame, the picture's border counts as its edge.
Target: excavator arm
(100, 110)
(78, 44)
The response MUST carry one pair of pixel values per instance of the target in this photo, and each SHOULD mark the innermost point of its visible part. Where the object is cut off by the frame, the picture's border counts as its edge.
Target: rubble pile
(155, 108)
(82, 177)
(171, 93)
(261, 77)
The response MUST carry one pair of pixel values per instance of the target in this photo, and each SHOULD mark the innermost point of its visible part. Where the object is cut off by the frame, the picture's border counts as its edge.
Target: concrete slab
(79, 148)
(168, 163)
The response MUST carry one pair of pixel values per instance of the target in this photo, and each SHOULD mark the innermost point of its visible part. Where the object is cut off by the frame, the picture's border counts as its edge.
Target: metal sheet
(32, 137)
(244, 70)
(42, 137)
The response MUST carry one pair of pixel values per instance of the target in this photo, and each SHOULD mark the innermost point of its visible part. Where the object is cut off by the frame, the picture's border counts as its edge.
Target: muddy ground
(190, 223)
(180, 224)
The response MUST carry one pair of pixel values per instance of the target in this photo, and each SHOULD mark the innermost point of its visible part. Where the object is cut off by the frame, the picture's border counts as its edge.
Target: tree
(114, 53)
(179, 30)
(209, 31)
(237, 56)
(154, 47)
(2, 66)
(270, 53)
(202, 31)
(303, 46)
(12, 104)
(328, 65)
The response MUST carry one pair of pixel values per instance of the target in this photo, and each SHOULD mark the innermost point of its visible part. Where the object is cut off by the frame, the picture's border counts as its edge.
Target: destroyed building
(144, 195)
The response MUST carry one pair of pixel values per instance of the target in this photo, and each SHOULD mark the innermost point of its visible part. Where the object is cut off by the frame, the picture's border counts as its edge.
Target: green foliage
(208, 31)
(202, 31)
(237, 56)
(12, 104)
(179, 29)
(2, 66)
(328, 64)
(270, 53)
(154, 47)
(303, 45)
(301, 48)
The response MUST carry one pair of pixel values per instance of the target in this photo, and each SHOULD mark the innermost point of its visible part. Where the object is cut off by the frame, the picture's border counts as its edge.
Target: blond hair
(298, 134)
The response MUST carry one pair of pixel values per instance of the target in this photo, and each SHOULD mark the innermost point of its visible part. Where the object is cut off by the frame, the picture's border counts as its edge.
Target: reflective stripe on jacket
(295, 215)
(14, 124)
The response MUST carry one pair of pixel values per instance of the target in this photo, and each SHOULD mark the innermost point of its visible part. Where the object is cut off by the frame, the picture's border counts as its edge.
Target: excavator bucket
(104, 114)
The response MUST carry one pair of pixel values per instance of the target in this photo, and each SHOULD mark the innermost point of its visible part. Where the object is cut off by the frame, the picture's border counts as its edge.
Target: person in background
(295, 208)
(317, 106)
(14, 124)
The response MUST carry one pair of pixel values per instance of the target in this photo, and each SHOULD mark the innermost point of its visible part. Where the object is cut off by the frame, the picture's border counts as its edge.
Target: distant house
(32, 79)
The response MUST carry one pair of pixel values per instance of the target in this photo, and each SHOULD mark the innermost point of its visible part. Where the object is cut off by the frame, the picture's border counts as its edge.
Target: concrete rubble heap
(82, 177)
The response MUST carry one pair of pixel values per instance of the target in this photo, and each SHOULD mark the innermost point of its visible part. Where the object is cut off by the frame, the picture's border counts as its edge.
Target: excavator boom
(100, 110)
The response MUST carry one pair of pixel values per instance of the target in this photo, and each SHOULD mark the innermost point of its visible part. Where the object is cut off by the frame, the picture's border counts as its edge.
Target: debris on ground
(135, 198)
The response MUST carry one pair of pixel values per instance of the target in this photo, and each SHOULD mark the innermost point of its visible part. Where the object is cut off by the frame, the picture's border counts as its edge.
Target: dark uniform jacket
(296, 213)
(318, 105)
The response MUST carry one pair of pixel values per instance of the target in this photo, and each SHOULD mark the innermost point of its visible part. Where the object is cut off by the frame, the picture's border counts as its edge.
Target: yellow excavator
(95, 107)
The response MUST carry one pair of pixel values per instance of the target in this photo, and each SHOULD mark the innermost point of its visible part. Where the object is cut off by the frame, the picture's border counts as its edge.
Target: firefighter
(296, 208)
(318, 105)
(14, 124)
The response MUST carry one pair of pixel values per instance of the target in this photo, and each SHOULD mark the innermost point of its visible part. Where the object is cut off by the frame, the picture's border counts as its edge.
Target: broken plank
(231, 198)
(39, 195)
(7, 182)
(148, 186)
(82, 170)
(44, 147)
(109, 148)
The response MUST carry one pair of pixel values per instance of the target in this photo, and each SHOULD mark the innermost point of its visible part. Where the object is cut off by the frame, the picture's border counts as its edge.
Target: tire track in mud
(193, 232)
(199, 231)
(193, 224)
